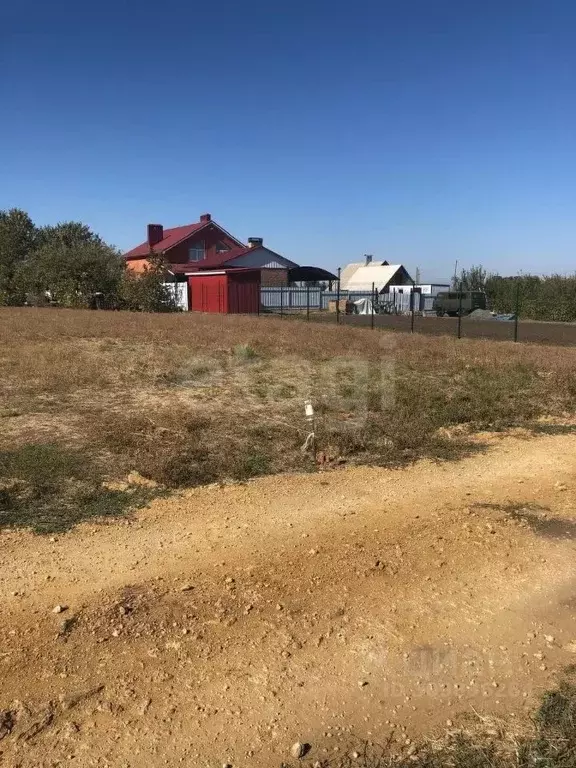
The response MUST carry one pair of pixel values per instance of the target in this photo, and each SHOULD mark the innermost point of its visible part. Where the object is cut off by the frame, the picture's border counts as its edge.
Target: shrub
(146, 291)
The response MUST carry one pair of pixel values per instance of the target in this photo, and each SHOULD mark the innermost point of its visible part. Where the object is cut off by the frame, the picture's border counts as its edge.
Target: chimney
(255, 242)
(155, 234)
(205, 218)
(368, 257)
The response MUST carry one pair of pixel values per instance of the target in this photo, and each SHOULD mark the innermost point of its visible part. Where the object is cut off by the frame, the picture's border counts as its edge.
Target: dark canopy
(308, 274)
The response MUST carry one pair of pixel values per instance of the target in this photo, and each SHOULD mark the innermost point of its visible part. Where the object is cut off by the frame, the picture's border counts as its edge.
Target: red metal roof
(220, 259)
(223, 259)
(171, 238)
(215, 261)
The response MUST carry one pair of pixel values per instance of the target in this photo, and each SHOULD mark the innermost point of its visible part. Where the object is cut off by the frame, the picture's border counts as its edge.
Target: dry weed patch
(191, 399)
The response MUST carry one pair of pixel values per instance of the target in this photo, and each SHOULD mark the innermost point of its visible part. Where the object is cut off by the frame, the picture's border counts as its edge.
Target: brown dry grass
(188, 399)
(549, 741)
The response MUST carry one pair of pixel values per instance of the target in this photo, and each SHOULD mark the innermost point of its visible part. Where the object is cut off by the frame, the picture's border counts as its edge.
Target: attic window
(221, 247)
(197, 251)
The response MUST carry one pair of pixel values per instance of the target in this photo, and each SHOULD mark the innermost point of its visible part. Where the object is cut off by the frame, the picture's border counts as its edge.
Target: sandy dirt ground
(223, 624)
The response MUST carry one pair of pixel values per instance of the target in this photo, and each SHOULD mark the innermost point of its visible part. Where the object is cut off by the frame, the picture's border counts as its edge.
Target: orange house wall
(137, 265)
(179, 253)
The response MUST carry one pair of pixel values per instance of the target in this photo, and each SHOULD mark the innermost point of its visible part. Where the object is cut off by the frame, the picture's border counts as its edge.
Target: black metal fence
(409, 313)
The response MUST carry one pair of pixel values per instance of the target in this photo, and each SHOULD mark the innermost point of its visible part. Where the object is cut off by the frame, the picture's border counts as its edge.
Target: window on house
(221, 247)
(196, 252)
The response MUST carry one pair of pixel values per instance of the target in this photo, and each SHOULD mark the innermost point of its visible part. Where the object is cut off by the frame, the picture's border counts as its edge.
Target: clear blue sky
(421, 131)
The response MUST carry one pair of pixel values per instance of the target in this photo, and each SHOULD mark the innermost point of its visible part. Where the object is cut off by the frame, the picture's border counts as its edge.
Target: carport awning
(306, 274)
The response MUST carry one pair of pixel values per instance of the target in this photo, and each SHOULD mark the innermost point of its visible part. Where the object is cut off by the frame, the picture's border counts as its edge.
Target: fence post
(517, 309)
(281, 301)
(308, 303)
(338, 298)
(412, 299)
(372, 309)
(460, 312)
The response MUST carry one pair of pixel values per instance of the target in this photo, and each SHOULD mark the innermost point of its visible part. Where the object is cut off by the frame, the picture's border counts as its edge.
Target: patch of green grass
(49, 488)
(540, 428)
(245, 352)
(285, 391)
(346, 390)
(557, 713)
(177, 448)
(253, 465)
(190, 373)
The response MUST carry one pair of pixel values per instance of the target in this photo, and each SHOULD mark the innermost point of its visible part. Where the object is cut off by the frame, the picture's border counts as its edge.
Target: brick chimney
(255, 242)
(205, 218)
(155, 234)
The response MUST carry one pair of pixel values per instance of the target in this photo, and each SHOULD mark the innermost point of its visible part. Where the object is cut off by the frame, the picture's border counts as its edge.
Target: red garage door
(208, 293)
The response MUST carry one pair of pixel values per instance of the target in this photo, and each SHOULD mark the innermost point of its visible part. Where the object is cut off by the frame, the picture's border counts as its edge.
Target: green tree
(72, 273)
(73, 265)
(147, 291)
(473, 279)
(68, 233)
(17, 239)
(502, 292)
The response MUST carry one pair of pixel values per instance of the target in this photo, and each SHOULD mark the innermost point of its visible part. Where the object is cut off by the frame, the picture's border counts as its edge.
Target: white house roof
(347, 272)
(362, 278)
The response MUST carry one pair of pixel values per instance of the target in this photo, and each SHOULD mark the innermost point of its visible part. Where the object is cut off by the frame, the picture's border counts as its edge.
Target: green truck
(453, 302)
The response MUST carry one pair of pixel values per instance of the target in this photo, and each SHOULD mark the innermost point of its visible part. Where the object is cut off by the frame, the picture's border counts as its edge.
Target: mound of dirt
(481, 314)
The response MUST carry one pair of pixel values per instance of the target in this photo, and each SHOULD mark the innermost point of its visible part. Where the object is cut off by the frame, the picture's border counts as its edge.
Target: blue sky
(422, 131)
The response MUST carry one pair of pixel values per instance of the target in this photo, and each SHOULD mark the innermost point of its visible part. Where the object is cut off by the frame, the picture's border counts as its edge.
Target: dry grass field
(414, 567)
(101, 411)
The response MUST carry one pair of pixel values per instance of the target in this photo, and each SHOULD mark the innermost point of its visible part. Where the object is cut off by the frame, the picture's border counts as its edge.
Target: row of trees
(72, 266)
(540, 298)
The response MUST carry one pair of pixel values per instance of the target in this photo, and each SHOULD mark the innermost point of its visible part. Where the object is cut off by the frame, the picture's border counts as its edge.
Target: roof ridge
(179, 233)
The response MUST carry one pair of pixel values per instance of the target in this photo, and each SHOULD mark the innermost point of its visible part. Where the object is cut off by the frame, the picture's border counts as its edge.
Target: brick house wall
(211, 237)
(273, 278)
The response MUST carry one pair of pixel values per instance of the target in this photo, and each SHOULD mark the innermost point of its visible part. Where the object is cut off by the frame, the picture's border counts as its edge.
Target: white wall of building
(180, 292)
(262, 258)
(426, 289)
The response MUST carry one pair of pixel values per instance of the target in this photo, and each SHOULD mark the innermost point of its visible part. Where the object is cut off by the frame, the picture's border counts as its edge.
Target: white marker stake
(310, 443)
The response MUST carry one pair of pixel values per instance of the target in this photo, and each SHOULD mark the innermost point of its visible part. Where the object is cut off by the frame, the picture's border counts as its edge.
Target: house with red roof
(205, 245)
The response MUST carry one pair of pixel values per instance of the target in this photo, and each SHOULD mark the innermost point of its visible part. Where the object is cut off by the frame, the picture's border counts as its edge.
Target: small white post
(310, 443)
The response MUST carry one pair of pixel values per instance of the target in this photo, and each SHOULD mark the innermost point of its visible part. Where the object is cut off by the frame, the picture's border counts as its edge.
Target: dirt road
(223, 624)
